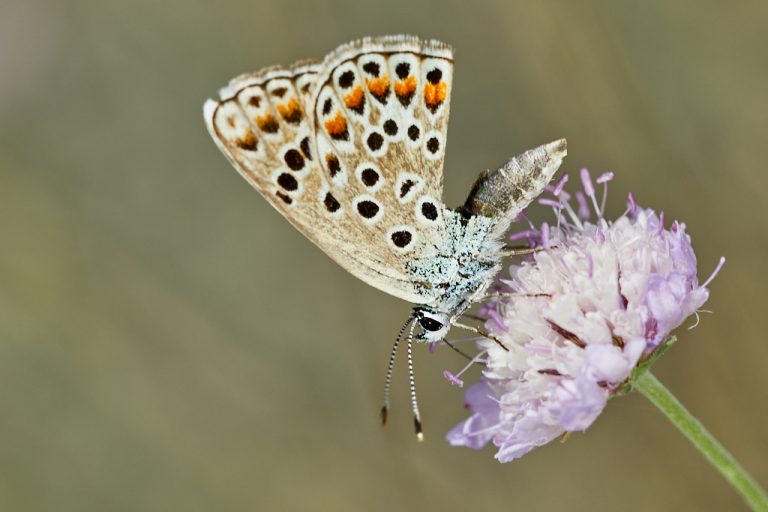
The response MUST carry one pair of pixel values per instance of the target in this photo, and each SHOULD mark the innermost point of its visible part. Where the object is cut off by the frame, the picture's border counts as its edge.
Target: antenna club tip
(383, 414)
(420, 437)
(419, 430)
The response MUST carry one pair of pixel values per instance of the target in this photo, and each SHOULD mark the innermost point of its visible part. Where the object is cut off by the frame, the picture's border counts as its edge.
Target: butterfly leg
(520, 250)
(509, 250)
(475, 317)
(481, 332)
(458, 350)
(390, 368)
(505, 295)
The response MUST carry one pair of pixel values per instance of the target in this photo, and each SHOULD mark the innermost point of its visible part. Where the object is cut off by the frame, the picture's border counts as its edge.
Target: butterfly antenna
(390, 368)
(414, 402)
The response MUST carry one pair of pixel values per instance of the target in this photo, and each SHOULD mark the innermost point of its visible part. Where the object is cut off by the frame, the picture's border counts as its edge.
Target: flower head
(576, 319)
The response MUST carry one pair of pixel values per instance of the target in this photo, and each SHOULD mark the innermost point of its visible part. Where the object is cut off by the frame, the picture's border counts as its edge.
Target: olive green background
(168, 342)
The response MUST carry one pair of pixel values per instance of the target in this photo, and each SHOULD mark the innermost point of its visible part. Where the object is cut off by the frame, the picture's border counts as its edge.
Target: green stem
(660, 396)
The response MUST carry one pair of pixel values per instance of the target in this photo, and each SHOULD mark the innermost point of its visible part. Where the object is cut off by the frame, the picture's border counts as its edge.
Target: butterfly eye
(430, 324)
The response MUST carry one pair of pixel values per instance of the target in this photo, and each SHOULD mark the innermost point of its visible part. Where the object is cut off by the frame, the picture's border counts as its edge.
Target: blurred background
(168, 342)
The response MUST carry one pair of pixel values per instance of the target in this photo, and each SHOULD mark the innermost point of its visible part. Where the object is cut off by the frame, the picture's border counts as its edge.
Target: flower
(575, 319)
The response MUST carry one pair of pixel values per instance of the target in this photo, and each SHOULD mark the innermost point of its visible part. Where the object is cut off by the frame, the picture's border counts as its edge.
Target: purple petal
(664, 297)
(545, 234)
(613, 364)
(584, 212)
(604, 178)
(631, 204)
(578, 403)
(476, 431)
(550, 202)
(453, 379)
(522, 234)
(529, 432)
(586, 182)
(560, 184)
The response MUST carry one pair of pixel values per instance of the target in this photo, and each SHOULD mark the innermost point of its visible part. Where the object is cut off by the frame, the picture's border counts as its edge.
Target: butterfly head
(434, 324)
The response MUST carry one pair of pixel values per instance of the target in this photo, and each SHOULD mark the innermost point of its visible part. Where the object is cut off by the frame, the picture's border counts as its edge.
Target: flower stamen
(453, 379)
(716, 271)
(589, 189)
(583, 206)
(559, 186)
(604, 179)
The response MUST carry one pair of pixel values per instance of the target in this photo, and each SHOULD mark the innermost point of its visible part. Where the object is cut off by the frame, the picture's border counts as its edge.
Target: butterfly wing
(349, 151)
(260, 125)
(381, 117)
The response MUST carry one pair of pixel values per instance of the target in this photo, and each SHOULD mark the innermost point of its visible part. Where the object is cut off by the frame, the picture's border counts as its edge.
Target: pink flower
(597, 299)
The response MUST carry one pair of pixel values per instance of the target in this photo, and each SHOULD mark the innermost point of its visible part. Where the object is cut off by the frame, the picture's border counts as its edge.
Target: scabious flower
(575, 319)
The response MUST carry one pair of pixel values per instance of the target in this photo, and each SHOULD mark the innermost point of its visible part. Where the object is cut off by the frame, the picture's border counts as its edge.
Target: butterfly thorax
(462, 266)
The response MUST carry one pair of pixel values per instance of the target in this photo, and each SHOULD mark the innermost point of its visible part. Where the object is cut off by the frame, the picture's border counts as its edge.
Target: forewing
(380, 116)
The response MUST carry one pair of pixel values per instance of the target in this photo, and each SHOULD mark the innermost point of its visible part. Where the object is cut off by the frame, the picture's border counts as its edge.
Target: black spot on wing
(346, 79)
(333, 165)
(406, 187)
(330, 202)
(375, 141)
(435, 76)
(304, 145)
(390, 127)
(429, 210)
(367, 209)
(433, 145)
(403, 70)
(294, 160)
(369, 177)
(287, 182)
(372, 68)
(401, 238)
(414, 132)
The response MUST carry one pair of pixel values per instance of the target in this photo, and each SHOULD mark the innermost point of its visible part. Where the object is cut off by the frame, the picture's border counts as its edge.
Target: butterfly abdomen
(505, 192)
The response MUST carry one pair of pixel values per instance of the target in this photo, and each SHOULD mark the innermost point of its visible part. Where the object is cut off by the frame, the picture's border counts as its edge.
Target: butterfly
(350, 151)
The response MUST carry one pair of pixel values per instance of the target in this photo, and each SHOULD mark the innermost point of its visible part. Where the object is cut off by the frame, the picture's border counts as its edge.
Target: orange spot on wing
(354, 99)
(406, 87)
(378, 86)
(337, 125)
(248, 141)
(268, 123)
(290, 111)
(434, 95)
